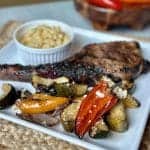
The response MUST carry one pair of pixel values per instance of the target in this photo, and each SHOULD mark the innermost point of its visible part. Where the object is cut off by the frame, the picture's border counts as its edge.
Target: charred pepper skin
(97, 102)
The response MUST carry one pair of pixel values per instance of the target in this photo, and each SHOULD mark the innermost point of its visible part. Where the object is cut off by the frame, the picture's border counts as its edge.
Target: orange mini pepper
(40, 103)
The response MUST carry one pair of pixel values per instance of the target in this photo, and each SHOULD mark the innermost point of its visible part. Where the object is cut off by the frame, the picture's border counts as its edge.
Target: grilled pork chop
(133, 16)
(120, 59)
(78, 72)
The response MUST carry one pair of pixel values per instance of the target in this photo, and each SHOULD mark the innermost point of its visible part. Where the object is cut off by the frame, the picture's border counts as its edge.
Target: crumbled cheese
(89, 121)
(84, 96)
(16, 109)
(120, 92)
(109, 81)
(61, 80)
(90, 88)
(90, 111)
(100, 94)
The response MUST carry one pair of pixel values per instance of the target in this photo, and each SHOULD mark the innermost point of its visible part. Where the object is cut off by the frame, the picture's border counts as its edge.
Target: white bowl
(36, 56)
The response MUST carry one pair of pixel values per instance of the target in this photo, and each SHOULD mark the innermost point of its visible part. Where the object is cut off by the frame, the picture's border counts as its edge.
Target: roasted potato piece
(70, 90)
(37, 80)
(68, 116)
(79, 89)
(63, 90)
(130, 102)
(99, 130)
(117, 118)
(128, 85)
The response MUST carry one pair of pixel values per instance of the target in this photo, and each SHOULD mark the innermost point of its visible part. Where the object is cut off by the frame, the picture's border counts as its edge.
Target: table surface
(63, 11)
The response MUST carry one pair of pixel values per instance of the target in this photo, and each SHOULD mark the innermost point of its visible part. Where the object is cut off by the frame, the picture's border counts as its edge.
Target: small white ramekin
(36, 56)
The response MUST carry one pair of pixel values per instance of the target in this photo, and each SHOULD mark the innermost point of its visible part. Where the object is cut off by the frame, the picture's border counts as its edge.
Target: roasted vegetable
(40, 103)
(68, 116)
(98, 101)
(99, 130)
(63, 90)
(128, 85)
(8, 96)
(117, 118)
(109, 81)
(70, 90)
(37, 80)
(79, 89)
(130, 102)
(125, 84)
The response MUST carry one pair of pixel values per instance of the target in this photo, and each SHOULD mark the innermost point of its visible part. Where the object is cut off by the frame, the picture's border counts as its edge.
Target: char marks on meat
(78, 72)
(120, 59)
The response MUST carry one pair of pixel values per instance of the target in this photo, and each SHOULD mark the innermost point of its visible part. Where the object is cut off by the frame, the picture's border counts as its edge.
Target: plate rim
(69, 138)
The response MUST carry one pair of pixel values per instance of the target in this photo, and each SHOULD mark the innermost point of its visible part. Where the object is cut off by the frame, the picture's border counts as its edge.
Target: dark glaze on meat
(16, 72)
(120, 60)
(78, 72)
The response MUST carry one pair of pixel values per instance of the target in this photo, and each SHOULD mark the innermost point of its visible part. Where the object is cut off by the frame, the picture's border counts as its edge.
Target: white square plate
(137, 117)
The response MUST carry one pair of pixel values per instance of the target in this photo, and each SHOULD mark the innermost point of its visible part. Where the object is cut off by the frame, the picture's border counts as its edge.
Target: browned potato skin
(99, 130)
(130, 102)
(69, 114)
(117, 118)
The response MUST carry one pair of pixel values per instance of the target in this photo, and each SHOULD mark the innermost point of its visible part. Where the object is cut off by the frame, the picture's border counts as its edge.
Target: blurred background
(57, 11)
(22, 2)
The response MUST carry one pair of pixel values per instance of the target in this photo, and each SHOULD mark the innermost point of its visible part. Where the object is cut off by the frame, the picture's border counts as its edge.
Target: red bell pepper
(93, 107)
(113, 4)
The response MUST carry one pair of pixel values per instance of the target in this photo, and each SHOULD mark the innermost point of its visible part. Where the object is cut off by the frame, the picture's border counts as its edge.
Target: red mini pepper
(93, 107)
(113, 4)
